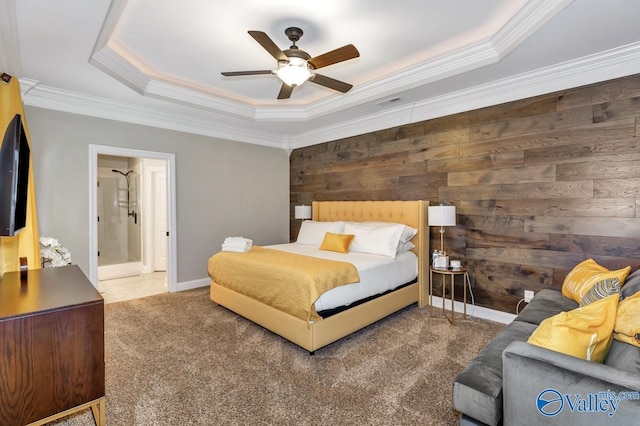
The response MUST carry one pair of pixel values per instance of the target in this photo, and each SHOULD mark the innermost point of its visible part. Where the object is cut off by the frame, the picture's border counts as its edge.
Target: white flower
(48, 241)
(53, 254)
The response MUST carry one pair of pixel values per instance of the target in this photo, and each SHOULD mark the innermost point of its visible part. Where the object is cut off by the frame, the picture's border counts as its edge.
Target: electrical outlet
(528, 295)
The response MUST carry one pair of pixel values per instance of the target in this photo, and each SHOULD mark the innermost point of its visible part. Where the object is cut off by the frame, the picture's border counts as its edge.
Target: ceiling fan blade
(237, 73)
(331, 83)
(340, 54)
(285, 91)
(268, 45)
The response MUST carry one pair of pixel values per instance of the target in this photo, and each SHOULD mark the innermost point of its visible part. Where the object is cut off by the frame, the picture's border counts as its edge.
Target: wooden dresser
(51, 346)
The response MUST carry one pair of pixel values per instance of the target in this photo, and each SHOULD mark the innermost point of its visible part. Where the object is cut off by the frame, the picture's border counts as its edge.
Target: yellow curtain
(27, 242)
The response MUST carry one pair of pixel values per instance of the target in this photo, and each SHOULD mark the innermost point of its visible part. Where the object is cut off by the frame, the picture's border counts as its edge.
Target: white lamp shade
(442, 215)
(303, 212)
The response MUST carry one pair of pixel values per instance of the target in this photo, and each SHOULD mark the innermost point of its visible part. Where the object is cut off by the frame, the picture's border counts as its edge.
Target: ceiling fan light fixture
(293, 73)
(296, 66)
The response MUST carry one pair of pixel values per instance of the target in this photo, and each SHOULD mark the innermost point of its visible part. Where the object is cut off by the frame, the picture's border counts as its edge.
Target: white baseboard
(190, 285)
(121, 270)
(475, 311)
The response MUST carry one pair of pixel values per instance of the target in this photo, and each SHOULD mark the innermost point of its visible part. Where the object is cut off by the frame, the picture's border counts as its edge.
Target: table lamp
(302, 212)
(442, 216)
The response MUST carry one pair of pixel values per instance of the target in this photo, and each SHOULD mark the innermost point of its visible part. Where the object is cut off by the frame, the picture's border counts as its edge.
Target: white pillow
(383, 240)
(407, 232)
(402, 247)
(312, 233)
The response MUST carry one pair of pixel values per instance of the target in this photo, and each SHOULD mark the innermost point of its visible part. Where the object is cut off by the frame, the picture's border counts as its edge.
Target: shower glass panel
(119, 230)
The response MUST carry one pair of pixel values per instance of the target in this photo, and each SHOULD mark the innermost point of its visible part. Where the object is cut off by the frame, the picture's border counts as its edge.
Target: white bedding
(377, 273)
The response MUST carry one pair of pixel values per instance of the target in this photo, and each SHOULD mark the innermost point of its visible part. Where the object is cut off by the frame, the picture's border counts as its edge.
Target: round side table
(451, 273)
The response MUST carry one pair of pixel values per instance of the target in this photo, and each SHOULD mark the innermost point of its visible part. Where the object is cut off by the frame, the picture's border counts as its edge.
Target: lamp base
(442, 240)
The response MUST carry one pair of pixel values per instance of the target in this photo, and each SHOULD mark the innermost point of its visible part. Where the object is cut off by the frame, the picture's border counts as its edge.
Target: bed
(314, 334)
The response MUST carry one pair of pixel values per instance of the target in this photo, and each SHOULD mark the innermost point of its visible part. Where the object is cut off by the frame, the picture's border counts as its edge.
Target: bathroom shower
(130, 211)
(119, 215)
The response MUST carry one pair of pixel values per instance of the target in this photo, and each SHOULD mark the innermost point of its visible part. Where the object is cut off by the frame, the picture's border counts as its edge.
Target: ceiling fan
(296, 66)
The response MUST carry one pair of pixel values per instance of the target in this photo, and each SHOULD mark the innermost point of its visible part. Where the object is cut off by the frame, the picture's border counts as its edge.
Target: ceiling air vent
(387, 102)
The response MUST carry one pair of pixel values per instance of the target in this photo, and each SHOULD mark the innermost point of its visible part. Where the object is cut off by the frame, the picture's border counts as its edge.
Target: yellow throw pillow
(336, 242)
(584, 332)
(627, 328)
(585, 274)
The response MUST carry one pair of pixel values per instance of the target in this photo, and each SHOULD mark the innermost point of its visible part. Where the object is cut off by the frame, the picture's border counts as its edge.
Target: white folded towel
(237, 244)
(235, 249)
(237, 241)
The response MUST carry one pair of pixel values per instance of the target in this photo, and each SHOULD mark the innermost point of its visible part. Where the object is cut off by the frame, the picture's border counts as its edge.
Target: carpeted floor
(179, 359)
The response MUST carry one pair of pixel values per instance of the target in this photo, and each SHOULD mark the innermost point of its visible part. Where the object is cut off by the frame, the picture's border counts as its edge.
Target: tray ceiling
(158, 63)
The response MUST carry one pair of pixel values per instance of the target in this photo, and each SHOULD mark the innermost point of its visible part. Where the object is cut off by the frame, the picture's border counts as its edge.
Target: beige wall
(223, 188)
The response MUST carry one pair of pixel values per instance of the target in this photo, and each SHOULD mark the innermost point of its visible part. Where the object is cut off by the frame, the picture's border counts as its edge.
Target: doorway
(132, 216)
(120, 219)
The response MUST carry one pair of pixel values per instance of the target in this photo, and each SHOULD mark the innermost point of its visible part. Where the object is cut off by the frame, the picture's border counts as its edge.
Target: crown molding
(379, 121)
(603, 66)
(113, 64)
(37, 95)
(615, 63)
(115, 11)
(190, 97)
(528, 20)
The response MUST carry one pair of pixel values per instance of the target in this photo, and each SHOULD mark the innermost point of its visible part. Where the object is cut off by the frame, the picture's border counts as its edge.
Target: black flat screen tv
(14, 178)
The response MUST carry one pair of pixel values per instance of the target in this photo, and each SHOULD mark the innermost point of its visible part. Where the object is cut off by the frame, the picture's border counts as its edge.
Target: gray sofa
(509, 379)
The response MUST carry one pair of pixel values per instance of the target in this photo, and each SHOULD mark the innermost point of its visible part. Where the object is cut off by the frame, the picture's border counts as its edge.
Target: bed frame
(314, 335)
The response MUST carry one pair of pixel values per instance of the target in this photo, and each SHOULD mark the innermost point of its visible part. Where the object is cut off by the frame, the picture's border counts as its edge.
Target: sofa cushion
(468, 421)
(624, 356)
(627, 326)
(477, 390)
(631, 285)
(584, 332)
(545, 304)
(585, 274)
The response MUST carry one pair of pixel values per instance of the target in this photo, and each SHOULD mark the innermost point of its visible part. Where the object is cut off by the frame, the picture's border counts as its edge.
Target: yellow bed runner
(287, 281)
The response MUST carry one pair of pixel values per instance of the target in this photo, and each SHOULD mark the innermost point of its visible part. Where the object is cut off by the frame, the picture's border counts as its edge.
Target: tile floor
(119, 289)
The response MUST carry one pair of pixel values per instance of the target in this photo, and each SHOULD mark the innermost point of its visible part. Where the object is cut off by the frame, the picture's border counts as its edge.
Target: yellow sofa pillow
(627, 327)
(336, 242)
(585, 274)
(584, 332)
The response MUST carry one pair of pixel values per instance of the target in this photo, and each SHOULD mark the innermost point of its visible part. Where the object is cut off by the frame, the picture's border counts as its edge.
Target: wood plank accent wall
(539, 184)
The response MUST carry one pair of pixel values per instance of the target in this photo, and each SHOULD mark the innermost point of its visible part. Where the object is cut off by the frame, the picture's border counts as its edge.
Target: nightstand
(451, 273)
